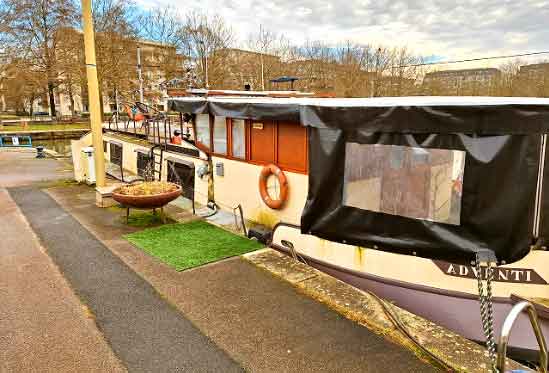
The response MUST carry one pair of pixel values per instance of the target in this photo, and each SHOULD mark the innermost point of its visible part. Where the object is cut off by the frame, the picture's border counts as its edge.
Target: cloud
(445, 27)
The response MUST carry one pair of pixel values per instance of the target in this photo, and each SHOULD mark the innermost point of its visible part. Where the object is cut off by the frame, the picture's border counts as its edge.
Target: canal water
(61, 146)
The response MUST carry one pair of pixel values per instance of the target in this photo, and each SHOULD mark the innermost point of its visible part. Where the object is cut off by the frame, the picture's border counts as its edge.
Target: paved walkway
(262, 322)
(142, 315)
(43, 325)
(19, 166)
(144, 331)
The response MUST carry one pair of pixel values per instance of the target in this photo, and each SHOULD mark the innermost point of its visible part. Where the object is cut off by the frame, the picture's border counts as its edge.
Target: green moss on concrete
(57, 183)
(146, 219)
(116, 208)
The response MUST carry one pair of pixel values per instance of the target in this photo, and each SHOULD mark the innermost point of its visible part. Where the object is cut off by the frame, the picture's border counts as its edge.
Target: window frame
(228, 151)
(290, 168)
(206, 148)
(304, 171)
(230, 123)
(209, 148)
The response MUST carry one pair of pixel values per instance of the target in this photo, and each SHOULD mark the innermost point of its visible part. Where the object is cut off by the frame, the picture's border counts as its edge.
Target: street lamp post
(140, 74)
(93, 94)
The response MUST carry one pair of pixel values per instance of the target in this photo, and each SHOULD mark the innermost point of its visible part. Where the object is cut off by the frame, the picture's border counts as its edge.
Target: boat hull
(455, 310)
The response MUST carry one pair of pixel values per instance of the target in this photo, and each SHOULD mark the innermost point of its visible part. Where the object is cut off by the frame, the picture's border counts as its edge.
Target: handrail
(506, 330)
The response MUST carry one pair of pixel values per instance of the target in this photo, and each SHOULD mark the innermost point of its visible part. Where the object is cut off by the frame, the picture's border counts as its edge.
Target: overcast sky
(447, 29)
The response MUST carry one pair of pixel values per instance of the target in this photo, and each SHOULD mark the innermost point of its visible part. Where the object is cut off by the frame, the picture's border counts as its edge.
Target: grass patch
(8, 117)
(188, 245)
(46, 127)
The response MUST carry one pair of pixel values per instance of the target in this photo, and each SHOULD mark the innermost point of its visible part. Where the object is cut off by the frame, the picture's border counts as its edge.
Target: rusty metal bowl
(146, 202)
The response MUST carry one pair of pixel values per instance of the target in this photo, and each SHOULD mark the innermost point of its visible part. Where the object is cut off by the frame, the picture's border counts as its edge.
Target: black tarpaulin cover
(256, 108)
(497, 204)
(499, 141)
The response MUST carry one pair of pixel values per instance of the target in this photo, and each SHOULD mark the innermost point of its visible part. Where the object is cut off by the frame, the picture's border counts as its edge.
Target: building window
(238, 133)
(203, 129)
(220, 135)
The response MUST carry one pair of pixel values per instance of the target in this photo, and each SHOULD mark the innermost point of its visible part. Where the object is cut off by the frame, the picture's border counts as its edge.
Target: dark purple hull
(457, 311)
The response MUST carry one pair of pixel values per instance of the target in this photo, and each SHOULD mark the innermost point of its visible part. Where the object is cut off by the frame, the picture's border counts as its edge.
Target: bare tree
(271, 52)
(204, 37)
(164, 26)
(355, 70)
(22, 86)
(509, 83)
(31, 30)
(403, 75)
(116, 47)
(315, 64)
(71, 63)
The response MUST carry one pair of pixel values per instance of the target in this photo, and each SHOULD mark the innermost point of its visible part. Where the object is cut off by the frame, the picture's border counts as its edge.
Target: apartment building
(533, 80)
(466, 82)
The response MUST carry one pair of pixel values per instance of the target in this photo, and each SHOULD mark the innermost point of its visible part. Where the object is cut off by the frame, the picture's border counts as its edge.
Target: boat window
(238, 138)
(116, 153)
(142, 163)
(203, 129)
(413, 182)
(292, 146)
(220, 135)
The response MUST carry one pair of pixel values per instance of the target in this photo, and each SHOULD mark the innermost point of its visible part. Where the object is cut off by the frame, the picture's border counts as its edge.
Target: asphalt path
(145, 332)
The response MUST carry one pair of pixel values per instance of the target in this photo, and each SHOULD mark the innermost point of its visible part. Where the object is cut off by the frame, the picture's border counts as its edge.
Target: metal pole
(117, 108)
(207, 84)
(506, 331)
(93, 93)
(261, 58)
(139, 74)
(263, 74)
(116, 100)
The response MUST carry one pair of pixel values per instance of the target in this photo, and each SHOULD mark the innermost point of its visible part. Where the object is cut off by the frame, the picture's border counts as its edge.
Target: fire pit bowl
(146, 201)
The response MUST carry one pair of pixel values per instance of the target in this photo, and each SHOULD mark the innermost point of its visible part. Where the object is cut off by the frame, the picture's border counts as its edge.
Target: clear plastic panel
(239, 138)
(203, 129)
(220, 135)
(413, 182)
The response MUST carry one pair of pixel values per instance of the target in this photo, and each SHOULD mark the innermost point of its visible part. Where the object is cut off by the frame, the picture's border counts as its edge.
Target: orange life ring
(268, 170)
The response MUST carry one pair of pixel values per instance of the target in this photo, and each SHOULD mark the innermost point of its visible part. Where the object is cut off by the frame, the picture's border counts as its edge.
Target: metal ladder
(506, 330)
(157, 158)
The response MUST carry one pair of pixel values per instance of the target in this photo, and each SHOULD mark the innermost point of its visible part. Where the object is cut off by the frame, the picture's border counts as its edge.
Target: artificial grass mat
(189, 245)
